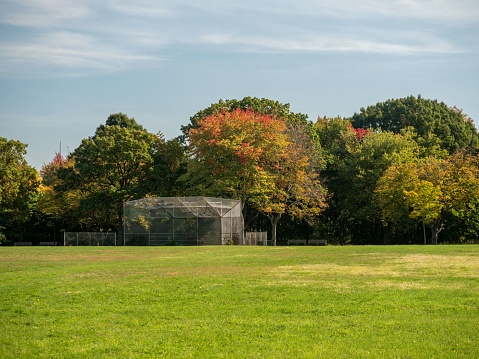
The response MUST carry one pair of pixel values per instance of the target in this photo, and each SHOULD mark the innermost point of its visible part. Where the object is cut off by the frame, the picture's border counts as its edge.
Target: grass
(239, 302)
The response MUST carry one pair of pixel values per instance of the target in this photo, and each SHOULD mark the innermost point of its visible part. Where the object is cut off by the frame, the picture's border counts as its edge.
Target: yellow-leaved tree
(430, 189)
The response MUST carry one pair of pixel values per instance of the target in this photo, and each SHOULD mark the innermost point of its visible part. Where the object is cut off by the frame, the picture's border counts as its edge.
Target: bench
(22, 244)
(317, 242)
(296, 242)
(47, 243)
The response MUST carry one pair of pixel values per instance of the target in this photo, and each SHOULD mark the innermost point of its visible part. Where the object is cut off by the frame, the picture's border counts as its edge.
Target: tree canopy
(250, 156)
(262, 106)
(382, 176)
(109, 168)
(437, 125)
(18, 186)
(234, 151)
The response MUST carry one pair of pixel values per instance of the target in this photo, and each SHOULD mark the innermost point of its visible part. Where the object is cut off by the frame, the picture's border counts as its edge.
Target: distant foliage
(435, 123)
(376, 177)
(49, 170)
(18, 189)
(431, 191)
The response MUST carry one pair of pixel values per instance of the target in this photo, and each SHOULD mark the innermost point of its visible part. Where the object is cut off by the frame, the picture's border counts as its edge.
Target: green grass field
(239, 302)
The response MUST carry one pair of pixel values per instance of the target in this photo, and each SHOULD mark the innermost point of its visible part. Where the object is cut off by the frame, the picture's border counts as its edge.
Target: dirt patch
(411, 271)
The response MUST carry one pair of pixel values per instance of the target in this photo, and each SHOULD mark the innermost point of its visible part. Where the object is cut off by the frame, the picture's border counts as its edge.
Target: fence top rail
(96, 233)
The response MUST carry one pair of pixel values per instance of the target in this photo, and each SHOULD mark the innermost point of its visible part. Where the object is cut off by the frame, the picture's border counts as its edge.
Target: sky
(66, 65)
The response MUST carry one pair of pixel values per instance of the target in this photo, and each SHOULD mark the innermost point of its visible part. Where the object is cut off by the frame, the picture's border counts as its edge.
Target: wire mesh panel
(182, 221)
(89, 239)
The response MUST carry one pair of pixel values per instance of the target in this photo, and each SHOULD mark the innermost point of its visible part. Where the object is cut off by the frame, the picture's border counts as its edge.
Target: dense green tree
(438, 126)
(169, 164)
(355, 179)
(109, 169)
(336, 139)
(18, 188)
(122, 120)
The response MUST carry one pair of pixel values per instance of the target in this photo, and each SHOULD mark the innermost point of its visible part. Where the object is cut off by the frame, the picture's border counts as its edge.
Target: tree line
(401, 171)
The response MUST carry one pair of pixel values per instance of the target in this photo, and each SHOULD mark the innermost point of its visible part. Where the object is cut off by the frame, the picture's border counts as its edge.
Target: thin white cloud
(440, 10)
(143, 8)
(41, 13)
(328, 43)
(435, 10)
(62, 38)
(69, 51)
(114, 34)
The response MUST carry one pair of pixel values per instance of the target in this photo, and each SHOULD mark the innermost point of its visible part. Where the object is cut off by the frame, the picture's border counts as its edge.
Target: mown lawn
(239, 302)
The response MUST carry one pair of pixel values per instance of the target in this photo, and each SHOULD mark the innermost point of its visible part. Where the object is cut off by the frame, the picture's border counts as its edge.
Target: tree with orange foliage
(249, 156)
(52, 205)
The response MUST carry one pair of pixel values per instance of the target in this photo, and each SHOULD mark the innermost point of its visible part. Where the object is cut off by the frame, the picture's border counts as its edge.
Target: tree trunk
(436, 228)
(424, 231)
(274, 218)
(435, 233)
(120, 231)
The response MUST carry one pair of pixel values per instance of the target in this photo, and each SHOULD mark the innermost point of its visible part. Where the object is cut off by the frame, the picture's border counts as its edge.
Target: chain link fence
(89, 239)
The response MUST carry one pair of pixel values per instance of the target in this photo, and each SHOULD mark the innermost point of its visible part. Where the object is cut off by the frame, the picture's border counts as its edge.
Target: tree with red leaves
(233, 153)
(250, 156)
(48, 170)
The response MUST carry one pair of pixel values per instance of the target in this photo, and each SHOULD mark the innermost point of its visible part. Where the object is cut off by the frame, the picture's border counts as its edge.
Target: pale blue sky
(66, 65)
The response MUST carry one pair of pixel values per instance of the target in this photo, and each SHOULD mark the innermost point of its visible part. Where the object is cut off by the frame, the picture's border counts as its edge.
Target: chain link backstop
(182, 221)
